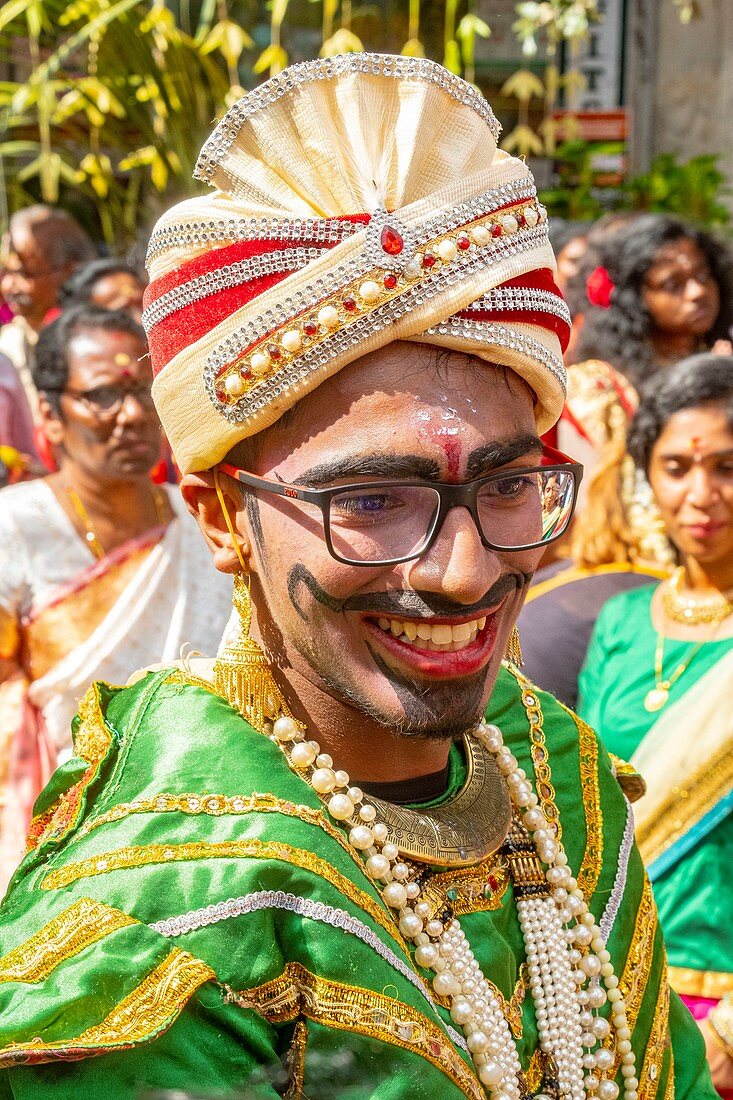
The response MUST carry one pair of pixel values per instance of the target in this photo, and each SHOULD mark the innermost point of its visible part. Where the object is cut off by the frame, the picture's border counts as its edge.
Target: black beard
(435, 712)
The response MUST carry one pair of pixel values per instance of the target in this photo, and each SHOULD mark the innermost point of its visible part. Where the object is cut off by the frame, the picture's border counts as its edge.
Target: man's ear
(53, 425)
(202, 500)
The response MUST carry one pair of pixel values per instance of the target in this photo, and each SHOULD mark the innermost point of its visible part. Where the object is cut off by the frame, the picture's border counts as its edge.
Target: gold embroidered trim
(218, 805)
(296, 1061)
(651, 1070)
(579, 573)
(637, 968)
(297, 992)
(590, 868)
(145, 1012)
(687, 804)
(82, 924)
(538, 749)
(669, 1091)
(91, 742)
(700, 983)
(512, 1009)
(124, 859)
(535, 1072)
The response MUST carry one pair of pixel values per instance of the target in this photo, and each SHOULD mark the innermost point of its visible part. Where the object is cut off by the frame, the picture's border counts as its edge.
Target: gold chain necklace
(657, 697)
(693, 610)
(91, 538)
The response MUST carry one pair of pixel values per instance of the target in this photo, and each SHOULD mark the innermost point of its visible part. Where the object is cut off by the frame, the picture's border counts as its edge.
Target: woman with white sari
(658, 681)
(101, 571)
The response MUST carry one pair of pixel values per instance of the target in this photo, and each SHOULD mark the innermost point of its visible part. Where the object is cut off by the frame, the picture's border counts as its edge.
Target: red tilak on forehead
(452, 449)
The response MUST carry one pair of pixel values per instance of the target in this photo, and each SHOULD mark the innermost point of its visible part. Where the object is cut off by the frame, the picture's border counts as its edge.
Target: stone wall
(680, 81)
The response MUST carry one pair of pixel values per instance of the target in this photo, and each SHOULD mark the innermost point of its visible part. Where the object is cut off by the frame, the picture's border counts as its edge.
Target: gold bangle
(721, 1024)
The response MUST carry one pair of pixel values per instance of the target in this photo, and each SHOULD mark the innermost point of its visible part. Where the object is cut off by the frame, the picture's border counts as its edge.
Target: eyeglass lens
(109, 399)
(395, 521)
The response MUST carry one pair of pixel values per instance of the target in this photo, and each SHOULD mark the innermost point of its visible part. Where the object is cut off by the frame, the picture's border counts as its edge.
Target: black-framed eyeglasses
(386, 522)
(106, 401)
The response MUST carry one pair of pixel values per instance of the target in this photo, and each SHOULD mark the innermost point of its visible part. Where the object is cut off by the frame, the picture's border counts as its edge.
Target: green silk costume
(174, 805)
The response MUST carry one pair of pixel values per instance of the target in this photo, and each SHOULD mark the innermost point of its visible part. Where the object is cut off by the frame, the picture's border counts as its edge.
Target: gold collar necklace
(691, 610)
(462, 830)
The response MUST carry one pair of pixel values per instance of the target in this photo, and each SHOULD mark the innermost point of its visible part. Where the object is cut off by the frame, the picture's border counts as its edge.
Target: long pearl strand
(566, 954)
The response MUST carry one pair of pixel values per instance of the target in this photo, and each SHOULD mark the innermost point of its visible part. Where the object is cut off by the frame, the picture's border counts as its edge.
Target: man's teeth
(435, 637)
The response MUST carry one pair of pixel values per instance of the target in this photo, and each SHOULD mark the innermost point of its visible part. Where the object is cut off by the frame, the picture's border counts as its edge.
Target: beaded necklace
(567, 959)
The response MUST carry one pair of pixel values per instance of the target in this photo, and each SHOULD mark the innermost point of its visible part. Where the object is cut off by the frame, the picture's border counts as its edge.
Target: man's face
(30, 282)
(108, 423)
(416, 646)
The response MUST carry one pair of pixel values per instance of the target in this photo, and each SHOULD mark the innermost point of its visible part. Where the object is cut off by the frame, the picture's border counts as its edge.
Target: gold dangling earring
(513, 652)
(241, 671)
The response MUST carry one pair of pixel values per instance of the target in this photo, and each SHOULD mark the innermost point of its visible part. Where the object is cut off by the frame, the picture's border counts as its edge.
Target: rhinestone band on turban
(361, 200)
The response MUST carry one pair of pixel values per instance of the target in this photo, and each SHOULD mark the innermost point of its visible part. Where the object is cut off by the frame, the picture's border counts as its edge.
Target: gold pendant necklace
(91, 538)
(463, 830)
(657, 697)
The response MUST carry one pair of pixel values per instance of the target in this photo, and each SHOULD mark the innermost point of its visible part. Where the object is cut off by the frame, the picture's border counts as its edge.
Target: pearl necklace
(566, 953)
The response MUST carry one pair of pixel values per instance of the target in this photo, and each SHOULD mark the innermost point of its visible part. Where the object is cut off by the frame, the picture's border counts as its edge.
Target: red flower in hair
(598, 288)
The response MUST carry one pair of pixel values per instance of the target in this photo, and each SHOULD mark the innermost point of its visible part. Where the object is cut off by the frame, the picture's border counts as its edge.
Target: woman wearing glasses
(656, 683)
(97, 565)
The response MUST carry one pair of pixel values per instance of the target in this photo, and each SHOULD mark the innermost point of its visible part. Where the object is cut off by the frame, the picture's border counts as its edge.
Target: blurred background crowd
(629, 622)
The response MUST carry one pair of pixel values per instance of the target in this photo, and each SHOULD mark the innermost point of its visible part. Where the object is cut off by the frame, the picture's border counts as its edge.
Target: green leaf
(413, 48)
(523, 85)
(523, 141)
(18, 148)
(452, 59)
(273, 57)
(13, 10)
(230, 39)
(343, 41)
(471, 26)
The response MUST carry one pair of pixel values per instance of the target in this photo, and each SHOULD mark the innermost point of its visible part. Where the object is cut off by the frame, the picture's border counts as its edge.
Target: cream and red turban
(359, 200)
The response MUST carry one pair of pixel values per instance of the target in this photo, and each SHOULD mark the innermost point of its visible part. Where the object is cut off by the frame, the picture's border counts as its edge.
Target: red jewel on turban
(598, 288)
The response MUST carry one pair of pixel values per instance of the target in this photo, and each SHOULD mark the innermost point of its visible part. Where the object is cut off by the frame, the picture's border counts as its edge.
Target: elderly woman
(656, 682)
(100, 567)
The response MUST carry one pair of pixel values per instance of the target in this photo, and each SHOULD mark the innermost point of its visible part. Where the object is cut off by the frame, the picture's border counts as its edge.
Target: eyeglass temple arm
(280, 488)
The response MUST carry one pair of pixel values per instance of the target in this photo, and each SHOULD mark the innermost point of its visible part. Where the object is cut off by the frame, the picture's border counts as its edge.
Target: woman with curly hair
(660, 290)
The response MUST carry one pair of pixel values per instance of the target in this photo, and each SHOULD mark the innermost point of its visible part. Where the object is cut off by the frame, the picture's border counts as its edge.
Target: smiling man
(356, 855)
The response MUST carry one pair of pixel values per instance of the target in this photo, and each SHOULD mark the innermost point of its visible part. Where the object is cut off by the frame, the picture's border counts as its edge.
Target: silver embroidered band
(304, 907)
(502, 336)
(229, 230)
(223, 278)
(608, 919)
(517, 299)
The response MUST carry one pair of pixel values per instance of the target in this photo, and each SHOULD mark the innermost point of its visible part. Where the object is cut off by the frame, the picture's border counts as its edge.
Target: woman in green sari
(656, 682)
